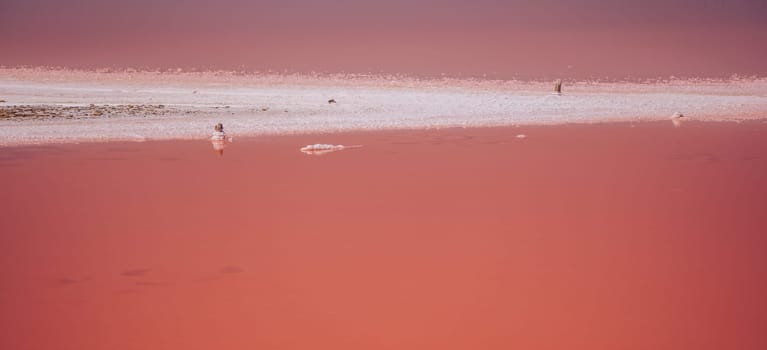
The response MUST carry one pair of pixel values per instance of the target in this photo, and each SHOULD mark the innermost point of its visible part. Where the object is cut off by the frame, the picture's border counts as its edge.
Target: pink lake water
(604, 236)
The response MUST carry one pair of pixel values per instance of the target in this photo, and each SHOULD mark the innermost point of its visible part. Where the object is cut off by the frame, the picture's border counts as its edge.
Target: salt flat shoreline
(58, 106)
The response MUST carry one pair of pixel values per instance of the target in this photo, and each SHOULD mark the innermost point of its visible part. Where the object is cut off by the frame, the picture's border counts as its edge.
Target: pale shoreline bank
(57, 106)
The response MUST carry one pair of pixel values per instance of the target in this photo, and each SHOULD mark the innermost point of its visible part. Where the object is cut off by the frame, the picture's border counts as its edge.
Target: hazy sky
(513, 38)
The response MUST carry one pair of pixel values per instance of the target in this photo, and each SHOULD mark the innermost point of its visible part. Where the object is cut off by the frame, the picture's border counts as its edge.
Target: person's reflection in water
(219, 139)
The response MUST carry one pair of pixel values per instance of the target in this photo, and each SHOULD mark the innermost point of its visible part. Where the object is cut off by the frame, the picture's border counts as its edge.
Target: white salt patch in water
(321, 148)
(256, 105)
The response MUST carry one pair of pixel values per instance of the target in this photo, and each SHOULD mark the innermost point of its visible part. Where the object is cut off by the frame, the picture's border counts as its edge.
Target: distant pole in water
(558, 86)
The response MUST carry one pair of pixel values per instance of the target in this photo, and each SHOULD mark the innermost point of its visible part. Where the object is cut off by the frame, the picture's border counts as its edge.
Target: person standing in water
(218, 132)
(219, 140)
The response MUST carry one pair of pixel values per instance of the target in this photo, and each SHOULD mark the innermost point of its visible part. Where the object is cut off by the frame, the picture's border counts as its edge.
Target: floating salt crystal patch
(521, 136)
(322, 148)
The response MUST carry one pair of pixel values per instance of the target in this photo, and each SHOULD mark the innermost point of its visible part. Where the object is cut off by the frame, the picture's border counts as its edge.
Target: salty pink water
(499, 39)
(576, 237)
